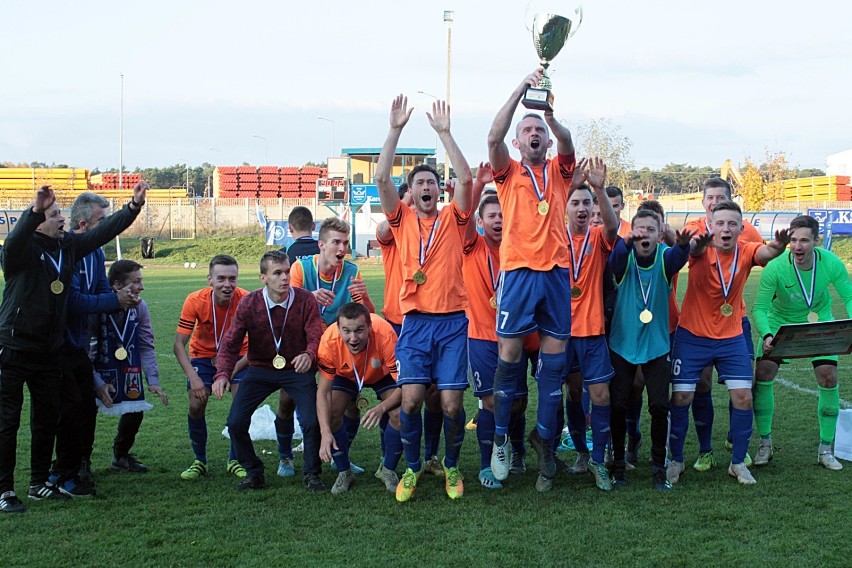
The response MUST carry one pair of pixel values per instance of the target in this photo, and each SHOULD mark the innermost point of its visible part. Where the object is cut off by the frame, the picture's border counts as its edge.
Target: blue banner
(362, 194)
(832, 222)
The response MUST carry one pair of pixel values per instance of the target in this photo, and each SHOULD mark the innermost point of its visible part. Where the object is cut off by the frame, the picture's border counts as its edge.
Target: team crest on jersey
(133, 382)
(375, 363)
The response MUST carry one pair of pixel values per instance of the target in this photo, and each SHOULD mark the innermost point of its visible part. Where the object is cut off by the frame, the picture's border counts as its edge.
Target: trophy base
(538, 99)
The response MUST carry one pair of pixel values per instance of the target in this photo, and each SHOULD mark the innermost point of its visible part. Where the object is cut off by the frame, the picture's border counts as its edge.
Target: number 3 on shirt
(503, 317)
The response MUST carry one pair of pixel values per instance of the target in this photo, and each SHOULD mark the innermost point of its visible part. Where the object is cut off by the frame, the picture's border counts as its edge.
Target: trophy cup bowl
(549, 33)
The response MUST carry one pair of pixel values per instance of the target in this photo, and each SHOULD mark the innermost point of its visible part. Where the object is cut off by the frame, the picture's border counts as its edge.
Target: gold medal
(493, 302)
(543, 207)
(813, 317)
(419, 278)
(727, 310)
(575, 292)
(121, 353)
(56, 287)
(214, 360)
(279, 362)
(361, 402)
(646, 316)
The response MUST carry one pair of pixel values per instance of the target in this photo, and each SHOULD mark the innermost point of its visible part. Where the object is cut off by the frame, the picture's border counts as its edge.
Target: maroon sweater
(302, 332)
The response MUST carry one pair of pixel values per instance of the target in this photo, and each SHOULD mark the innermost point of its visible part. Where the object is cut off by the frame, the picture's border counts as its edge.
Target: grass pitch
(797, 514)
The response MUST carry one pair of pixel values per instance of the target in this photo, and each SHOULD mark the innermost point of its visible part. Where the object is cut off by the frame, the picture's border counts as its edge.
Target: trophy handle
(576, 21)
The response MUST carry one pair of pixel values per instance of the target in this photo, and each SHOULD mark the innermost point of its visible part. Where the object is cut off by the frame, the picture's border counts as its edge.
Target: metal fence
(199, 218)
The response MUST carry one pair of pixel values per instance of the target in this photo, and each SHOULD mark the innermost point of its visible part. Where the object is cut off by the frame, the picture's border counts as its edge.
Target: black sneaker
(77, 488)
(85, 473)
(546, 464)
(661, 483)
(9, 503)
(128, 463)
(46, 490)
(258, 482)
(313, 482)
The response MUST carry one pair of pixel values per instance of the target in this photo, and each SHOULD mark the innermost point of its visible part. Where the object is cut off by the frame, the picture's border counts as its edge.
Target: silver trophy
(549, 32)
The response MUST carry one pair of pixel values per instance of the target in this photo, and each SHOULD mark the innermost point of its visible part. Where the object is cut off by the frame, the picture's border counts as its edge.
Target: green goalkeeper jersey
(783, 296)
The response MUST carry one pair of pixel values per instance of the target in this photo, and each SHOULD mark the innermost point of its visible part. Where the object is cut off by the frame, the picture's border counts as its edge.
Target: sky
(226, 83)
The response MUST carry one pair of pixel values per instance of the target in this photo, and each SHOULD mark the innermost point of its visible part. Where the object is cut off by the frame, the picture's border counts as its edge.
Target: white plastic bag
(263, 426)
(843, 438)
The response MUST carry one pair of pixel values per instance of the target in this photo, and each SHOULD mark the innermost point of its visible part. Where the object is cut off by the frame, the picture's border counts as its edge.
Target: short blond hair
(333, 225)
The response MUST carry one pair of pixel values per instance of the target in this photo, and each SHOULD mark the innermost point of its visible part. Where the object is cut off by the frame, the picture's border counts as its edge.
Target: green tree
(601, 137)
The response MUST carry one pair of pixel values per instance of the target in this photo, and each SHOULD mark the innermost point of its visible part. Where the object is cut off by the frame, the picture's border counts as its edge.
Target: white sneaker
(344, 481)
(764, 453)
(674, 470)
(828, 461)
(389, 478)
(500, 459)
(741, 472)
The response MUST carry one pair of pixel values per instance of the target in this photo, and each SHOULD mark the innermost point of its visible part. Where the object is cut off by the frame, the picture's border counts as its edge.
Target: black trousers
(41, 372)
(657, 373)
(254, 388)
(77, 414)
(128, 427)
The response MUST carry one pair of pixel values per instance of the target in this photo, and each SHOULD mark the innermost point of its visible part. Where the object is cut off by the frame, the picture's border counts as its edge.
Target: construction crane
(732, 175)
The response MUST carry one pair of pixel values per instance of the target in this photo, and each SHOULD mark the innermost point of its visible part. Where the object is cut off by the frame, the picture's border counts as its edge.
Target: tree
(601, 137)
(752, 189)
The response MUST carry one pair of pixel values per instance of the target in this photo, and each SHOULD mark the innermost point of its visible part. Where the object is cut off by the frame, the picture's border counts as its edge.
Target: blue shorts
(533, 300)
(349, 386)
(747, 337)
(206, 370)
(432, 348)
(396, 327)
(691, 354)
(592, 354)
(482, 355)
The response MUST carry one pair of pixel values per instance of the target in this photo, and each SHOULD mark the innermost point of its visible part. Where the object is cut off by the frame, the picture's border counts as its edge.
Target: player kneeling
(358, 351)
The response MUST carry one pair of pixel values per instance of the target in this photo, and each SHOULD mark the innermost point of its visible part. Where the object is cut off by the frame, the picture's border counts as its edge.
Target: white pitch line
(795, 387)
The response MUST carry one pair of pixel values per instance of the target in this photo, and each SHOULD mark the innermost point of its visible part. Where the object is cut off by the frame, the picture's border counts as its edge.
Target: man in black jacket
(37, 261)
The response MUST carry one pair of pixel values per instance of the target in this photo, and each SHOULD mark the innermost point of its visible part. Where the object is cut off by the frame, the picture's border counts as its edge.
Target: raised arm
(14, 252)
(439, 119)
(484, 176)
(399, 115)
(564, 142)
(778, 245)
(596, 177)
(498, 152)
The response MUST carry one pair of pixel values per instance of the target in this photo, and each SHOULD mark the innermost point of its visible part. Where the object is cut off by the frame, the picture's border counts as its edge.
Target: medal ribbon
(278, 340)
(89, 275)
(540, 193)
(217, 337)
(809, 299)
(425, 251)
(333, 282)
(576, 267)
(645, 295)
(495, 280)
(726, 288)
(121, 334)
(359, 379)
(56, 265)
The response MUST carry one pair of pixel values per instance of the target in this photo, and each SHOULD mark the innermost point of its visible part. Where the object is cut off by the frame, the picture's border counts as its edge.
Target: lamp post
(436, 134)
(265, 146)
(121, 139)
(449, 15)
(218, 163)
(333, 145)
